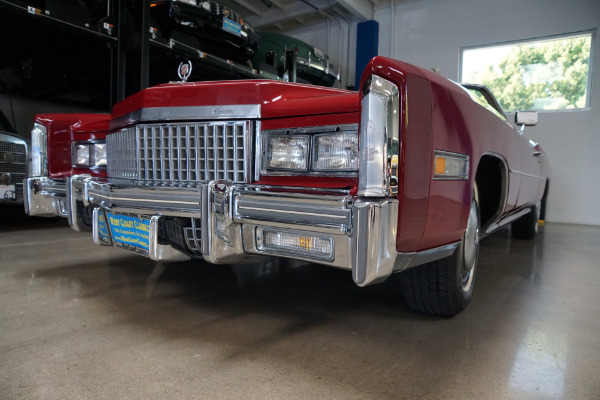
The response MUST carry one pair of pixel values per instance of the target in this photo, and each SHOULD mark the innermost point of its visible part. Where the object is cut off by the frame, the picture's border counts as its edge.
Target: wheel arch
(491, 178)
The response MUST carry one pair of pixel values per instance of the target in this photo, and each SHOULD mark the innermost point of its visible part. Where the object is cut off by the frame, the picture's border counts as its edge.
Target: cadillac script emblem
(185, 70)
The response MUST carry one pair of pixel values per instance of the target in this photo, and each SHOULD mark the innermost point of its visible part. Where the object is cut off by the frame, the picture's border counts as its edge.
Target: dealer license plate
(130, 233)
(8, 192)
(232, 27)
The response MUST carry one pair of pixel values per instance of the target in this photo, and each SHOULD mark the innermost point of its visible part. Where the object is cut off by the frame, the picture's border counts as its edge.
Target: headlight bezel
(313, 134)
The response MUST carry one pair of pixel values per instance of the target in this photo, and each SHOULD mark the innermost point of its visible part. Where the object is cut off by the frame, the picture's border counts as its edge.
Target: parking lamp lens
(300, 243)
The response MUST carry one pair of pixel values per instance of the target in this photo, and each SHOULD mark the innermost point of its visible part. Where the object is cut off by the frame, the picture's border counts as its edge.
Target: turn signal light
(298, 243)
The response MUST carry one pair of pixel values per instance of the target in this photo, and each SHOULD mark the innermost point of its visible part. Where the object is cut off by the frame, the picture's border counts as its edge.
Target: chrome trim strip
(379, 138)
(188, 113)
(278, 209)
(314, 214)
(490, 229)
(292, 191)
(423, 257)
(108, 196)
(526, 174)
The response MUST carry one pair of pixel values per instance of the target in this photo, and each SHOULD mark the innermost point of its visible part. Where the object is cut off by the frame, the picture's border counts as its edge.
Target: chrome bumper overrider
(231, 219)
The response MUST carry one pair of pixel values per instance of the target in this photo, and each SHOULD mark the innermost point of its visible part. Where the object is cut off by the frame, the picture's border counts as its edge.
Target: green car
(312, 63)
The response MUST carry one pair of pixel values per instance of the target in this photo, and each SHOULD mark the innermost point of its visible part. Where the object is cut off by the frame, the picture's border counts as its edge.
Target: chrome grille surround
(16, 164)
(180, 153)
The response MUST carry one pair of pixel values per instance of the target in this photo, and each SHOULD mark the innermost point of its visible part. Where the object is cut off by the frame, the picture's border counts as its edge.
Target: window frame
(590, 32)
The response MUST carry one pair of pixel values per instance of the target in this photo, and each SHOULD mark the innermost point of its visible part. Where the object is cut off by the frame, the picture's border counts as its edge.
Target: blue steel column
(367, 46)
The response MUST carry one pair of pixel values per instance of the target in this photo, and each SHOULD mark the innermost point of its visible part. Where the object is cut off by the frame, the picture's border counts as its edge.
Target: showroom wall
(431, 33)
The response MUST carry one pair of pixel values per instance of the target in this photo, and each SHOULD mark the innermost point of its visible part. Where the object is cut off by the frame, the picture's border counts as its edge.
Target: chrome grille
(179, 152)
(13, 160)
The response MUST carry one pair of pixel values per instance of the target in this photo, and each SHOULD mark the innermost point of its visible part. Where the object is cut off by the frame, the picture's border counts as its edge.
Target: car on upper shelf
(312, 64)
(13, 164)
(405, 175)
(206, 25)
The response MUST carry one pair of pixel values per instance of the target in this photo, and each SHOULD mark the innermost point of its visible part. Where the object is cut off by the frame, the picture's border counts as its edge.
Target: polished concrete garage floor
(82, 322)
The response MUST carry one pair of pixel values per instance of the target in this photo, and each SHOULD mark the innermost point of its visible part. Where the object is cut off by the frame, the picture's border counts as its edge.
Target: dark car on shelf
(207, 25)
(13, 164)
(312, 64)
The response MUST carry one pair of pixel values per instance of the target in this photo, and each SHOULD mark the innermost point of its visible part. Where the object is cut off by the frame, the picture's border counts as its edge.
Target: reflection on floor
(79, 321)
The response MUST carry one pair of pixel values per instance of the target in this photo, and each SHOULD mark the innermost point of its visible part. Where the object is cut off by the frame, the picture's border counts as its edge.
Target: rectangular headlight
(286, 152)
(98, 153)
(336, 152)
(82, 154)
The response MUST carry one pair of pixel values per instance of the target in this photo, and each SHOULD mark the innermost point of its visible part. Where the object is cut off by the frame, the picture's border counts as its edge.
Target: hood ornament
(185, 70)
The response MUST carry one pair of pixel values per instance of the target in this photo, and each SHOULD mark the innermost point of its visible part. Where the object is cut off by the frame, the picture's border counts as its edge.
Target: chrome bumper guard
(234, 220)
(45, 197)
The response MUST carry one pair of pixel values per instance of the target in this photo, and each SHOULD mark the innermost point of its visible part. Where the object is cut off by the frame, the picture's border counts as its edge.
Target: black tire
(445, 287)
(526, 227)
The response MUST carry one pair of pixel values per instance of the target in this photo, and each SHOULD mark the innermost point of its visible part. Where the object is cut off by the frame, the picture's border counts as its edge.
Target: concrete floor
(82, 322)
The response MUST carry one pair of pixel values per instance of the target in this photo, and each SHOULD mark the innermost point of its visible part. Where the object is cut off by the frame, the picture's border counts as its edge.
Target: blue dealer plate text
(129, 230)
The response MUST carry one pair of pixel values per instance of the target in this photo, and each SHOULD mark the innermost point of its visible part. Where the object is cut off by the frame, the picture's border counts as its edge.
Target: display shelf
(103, 29)
(236, 69)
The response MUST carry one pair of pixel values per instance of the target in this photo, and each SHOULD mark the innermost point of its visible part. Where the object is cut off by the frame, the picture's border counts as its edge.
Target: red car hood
(275, 99)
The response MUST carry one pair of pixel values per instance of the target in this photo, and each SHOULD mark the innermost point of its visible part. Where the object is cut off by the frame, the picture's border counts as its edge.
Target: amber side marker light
(440, 165)
(452, 166)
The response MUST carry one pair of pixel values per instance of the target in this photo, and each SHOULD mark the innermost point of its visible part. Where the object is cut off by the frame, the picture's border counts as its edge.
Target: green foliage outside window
(541, 75)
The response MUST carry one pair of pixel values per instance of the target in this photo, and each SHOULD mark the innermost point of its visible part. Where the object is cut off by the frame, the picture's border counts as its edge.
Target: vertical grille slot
(180, 152)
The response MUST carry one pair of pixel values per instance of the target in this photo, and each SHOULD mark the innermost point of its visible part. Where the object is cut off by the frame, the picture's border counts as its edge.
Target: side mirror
(526, 118)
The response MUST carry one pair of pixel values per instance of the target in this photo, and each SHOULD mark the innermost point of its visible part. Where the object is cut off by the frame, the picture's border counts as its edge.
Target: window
(546, 74)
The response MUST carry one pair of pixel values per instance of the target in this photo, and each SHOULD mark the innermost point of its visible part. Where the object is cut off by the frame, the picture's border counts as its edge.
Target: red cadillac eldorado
(406, 175)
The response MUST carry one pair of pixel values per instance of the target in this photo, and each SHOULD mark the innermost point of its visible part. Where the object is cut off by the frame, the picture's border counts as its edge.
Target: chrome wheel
(471, 248)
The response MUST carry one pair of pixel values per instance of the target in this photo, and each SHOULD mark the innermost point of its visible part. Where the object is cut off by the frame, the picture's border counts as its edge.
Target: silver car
(13, 164)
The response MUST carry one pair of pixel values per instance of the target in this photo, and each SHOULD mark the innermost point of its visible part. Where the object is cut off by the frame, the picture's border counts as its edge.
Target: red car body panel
(63, 129)
(277, 99)
(434, 212)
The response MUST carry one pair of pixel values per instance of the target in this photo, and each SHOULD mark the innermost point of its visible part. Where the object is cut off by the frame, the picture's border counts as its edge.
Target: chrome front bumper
(45, 197)
(233, 217)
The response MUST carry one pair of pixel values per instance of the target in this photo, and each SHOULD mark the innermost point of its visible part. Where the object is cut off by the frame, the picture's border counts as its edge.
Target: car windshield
(483, 96)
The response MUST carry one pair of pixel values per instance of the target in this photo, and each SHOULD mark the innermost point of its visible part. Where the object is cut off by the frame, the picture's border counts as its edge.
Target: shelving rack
(135, 55)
